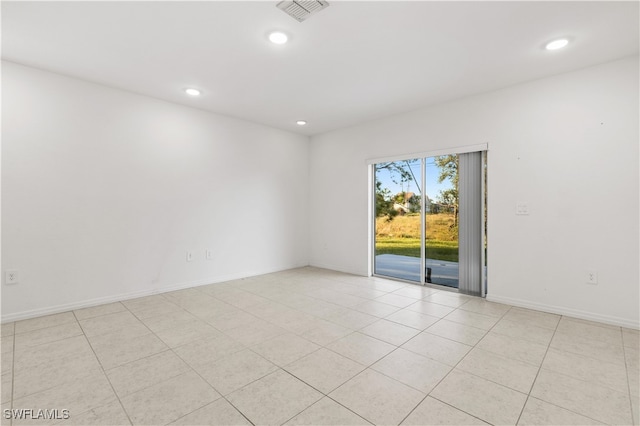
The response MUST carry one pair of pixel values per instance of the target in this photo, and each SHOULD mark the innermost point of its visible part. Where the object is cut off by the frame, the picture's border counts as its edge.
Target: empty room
(320, 213)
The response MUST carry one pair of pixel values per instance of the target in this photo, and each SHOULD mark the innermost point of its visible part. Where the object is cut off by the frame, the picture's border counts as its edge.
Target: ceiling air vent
(302, 9)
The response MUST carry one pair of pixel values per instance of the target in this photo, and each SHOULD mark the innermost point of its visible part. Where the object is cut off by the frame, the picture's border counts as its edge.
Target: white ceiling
(352, 62)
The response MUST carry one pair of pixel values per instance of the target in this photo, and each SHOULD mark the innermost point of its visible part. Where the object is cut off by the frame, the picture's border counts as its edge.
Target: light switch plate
(522, 209)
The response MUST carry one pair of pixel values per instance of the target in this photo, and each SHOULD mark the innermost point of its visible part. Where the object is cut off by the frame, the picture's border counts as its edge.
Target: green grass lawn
(439, 250)
(401, 236)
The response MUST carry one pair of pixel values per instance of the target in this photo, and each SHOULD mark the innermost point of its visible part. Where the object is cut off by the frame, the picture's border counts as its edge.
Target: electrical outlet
(189, 256)
(11, 277)
(208, 254)
(592, 277)
(522, 209)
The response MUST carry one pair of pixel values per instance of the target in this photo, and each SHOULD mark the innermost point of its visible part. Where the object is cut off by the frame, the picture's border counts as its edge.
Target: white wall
(568, 145)
(104, 191)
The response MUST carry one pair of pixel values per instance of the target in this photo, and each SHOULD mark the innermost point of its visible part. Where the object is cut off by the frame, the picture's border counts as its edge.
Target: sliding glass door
(429, 225)
(398, 203)
(441, 221)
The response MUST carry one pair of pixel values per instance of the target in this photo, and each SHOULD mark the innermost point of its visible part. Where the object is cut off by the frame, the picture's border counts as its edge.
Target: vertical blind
(470, 225)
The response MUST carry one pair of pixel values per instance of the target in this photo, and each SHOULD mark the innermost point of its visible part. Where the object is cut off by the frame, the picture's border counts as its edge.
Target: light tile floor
(311, 346)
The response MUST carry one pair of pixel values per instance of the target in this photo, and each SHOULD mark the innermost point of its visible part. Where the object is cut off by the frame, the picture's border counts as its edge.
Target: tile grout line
(405, 384)
(337, 402)
(103, 372)
(127, 309)
(536, 378)
(454, 407)
(565, 375)
(307, 407)
(13, 371)
(397, 347)
(327, 301)
(174, 353)
(533, 383)
(148, 356)
(351, 308)
(302, 276)
(54, 341)
(502, 317)
(51, 386)
(326, 395)
(452, 369)
(320, 347)
(99, 315)
(188, 365)
(626, 370)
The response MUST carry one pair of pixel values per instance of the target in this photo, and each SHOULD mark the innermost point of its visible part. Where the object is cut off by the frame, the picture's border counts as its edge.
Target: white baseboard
(338, 269)
(590, 316)
(33, 313)
(561, 310)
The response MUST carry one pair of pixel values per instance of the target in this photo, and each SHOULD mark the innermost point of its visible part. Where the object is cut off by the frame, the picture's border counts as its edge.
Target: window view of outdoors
(397, 228)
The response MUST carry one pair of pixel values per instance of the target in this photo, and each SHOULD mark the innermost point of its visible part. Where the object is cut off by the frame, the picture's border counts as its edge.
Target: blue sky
(433, 187)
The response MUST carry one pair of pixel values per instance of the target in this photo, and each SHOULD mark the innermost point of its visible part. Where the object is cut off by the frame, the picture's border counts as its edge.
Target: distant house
(404, 203)
(400, 208)
(406, 206)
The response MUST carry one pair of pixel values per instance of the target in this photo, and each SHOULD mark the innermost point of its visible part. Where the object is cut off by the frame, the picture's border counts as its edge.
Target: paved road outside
(408, 268)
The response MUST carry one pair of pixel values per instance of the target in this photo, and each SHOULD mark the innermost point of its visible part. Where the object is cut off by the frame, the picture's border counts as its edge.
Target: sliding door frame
(485, 208)
(371, 163)
(423, 219)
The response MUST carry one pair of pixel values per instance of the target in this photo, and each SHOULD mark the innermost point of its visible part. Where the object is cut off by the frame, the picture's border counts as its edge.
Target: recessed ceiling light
(278, 37)
(557, 44)
(192, 92)
(301, 122)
